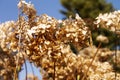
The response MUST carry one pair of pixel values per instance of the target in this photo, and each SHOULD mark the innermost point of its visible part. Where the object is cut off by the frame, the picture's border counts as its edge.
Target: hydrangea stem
(91, 61)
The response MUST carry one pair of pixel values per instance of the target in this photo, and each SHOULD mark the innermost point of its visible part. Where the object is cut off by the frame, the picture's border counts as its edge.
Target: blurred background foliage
(89, 10)
(85, 8)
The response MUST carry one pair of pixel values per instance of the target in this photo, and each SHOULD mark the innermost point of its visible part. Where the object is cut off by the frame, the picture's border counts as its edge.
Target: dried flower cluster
(102, 38)
(9, 45)
(110, 20)
(7, 66)
(45, 41)
(102, 66)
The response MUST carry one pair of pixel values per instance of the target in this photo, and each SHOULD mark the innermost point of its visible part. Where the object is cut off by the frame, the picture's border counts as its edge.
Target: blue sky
(9, 11)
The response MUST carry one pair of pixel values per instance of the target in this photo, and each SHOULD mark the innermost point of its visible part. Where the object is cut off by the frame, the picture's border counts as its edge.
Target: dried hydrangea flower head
(46, 42)
(102, 39)
(101, 67)
(8, 43)
(110, 20)
(27, 8)
(50, 44)
(6, 34)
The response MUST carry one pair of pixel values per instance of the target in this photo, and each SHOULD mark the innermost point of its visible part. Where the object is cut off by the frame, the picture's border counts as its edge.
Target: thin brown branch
(32, 69)
(91, 61)
(54, 71)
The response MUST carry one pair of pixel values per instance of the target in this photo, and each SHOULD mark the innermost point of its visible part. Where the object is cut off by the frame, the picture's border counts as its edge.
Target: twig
(54, 71)
(2, 58)
(91, 61)
(91, 42)
(116, 43)
(25, 69)
(19, 47)
(32, 69)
